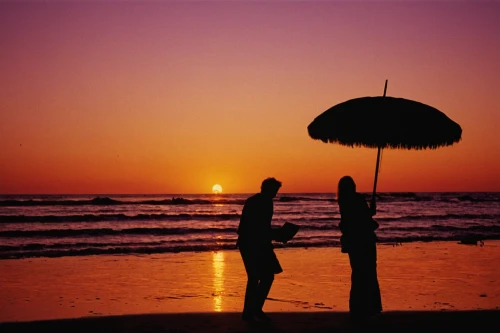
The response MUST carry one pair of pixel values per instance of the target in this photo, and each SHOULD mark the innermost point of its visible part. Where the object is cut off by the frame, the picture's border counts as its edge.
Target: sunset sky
(176, 96)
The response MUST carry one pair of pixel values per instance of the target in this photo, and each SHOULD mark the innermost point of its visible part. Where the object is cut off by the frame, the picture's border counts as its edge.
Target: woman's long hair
(346, 188)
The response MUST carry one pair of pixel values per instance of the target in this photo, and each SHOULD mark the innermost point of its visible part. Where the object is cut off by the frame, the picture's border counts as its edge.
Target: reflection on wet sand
(218, 279)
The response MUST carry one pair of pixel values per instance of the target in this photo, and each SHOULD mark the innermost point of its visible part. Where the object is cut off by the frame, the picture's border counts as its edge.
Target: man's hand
(281, 239)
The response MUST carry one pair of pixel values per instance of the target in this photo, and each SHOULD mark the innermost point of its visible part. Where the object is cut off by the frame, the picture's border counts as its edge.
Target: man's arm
(276, 234)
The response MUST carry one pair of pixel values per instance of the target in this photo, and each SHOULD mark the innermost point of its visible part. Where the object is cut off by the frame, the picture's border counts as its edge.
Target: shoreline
(278, 246)
(417, 276)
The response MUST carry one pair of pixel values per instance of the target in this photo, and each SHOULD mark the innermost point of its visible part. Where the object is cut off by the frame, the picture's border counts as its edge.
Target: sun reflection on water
(218, 279)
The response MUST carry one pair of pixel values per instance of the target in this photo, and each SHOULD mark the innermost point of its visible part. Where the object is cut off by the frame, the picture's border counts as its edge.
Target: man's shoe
(260, 315)
(248, 317)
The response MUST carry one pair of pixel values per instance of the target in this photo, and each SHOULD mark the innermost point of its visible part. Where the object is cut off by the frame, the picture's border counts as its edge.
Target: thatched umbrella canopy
(385, 122)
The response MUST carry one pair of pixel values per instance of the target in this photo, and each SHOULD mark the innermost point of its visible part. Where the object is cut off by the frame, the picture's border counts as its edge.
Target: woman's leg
(356, 292)
(374, 291)
(365, 297)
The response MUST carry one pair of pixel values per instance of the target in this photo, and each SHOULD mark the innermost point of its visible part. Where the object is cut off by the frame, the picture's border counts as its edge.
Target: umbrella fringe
(390, 145)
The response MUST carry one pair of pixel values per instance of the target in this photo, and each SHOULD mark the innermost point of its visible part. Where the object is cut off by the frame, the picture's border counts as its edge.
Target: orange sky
(172, 97)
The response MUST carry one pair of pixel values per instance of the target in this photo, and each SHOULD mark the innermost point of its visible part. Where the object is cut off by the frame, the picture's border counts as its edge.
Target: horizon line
(247, 193)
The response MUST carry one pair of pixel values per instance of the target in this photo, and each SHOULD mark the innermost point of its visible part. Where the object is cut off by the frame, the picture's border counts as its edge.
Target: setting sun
(217, 189)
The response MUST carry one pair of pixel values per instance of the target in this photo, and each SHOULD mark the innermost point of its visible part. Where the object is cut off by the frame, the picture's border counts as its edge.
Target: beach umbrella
(385, 122)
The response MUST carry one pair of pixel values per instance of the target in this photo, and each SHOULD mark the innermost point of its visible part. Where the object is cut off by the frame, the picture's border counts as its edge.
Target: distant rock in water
(287, 199)
(180, 201)
(466, 198)
(103, 201)
(471, 241)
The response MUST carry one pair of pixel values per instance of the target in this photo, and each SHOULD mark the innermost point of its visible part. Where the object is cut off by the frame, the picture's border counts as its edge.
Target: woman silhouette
(358, 240)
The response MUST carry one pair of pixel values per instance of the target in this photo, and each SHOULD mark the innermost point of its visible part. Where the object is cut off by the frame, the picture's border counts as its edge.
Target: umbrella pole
(378, 160)
(376, 175)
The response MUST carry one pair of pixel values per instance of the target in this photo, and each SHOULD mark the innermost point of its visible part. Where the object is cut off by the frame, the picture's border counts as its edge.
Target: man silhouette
(255, 236)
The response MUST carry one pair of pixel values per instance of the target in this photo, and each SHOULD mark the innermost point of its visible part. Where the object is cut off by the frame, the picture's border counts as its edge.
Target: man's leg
(263, 290)
(250, 297)
(249, 261)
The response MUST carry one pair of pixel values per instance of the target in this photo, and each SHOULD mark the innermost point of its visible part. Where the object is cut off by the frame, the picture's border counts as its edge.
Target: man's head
(270, 187)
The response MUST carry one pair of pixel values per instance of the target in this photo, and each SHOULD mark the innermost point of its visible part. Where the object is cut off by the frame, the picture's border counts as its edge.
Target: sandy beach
(434, 283)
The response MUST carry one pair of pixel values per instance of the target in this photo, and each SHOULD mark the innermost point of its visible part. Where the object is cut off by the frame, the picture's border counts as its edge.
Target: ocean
(79, 225)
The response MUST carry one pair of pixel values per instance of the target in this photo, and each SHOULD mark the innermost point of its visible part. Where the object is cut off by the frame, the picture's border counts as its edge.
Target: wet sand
(198, 288)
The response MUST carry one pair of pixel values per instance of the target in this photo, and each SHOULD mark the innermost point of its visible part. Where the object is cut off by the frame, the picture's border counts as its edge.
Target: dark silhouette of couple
(358, 240)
